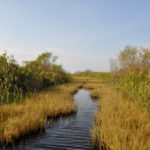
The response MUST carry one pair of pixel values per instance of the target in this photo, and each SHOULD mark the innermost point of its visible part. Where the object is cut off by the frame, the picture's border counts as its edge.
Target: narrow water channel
(66, 133)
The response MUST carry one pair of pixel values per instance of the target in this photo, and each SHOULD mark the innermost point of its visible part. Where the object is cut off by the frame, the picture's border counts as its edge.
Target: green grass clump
(135, 85)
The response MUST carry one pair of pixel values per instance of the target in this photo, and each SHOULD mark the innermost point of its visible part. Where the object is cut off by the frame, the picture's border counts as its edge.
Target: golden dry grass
(91, 86)
(119, 124)
(30, 115)
(96, 93)
(94, 86)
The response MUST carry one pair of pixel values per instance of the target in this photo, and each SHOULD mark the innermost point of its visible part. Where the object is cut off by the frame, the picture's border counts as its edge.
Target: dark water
(65, 133)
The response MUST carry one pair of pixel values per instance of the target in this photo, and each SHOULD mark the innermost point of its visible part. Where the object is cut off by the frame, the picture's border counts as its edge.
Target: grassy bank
(120, 124)
(30, 115)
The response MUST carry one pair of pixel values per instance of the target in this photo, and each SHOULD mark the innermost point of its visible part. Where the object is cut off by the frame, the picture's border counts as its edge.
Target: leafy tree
(43, 62)
(34, 75)
(128, 58)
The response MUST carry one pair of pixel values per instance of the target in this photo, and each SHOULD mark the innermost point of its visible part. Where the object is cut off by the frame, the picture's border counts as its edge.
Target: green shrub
(16, 80)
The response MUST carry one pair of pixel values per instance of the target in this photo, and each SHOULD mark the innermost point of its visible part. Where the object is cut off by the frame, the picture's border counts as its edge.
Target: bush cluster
(17, 80)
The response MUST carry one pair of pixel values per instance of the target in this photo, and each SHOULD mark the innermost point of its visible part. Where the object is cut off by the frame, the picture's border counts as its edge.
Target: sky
(84, 34)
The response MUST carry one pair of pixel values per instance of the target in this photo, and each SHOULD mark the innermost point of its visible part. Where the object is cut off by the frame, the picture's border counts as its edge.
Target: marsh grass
(18, 119)
(135, 85)
(120, 124)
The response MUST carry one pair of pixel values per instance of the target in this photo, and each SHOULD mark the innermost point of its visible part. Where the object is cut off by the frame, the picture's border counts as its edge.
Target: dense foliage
(16, 80)
(131, 73)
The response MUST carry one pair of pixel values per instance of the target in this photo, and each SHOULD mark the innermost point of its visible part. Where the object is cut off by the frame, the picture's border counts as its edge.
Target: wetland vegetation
(78, 77)
(122, 120)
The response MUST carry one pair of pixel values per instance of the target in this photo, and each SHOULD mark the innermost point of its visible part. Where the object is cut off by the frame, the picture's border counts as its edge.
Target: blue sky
(84, 34)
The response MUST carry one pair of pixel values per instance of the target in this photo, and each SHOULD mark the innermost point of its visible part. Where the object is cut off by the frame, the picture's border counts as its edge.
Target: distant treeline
(17, 80)
(103, 76)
